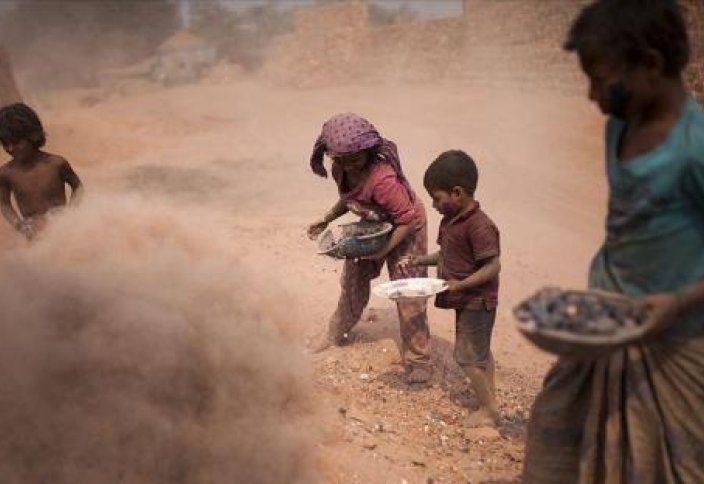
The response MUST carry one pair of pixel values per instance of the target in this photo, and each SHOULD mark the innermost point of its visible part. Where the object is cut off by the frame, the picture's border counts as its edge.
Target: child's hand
(661, 310)
(455, 286)
(26, 228)
(378, 256)
(408, 261)
(316, 228)
(364, 212)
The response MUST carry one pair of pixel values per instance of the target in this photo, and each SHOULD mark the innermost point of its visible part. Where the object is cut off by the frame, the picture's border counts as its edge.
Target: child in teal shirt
(634, 415)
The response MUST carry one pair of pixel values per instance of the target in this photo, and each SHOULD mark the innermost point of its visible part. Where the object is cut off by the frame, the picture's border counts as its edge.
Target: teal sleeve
(693, 182)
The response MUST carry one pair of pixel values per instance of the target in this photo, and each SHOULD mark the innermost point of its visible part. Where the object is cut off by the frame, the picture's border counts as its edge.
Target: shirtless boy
(34, 177)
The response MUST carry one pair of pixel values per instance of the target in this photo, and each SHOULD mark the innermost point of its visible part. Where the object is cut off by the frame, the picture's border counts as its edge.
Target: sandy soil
(240, 151)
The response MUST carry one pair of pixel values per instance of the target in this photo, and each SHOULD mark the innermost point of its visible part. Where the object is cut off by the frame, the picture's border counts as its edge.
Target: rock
(514, 456)
(486, 434)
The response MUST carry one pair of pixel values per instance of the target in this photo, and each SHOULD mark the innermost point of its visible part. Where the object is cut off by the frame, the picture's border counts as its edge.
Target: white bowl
(414, 288)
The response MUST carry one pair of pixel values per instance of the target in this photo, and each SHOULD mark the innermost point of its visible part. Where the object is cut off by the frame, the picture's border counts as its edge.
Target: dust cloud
(148, 340)
(136, 347)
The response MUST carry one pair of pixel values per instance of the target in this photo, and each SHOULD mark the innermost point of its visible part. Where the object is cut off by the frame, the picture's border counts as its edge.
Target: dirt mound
(695, 74)
(495, 42)
(336, 44)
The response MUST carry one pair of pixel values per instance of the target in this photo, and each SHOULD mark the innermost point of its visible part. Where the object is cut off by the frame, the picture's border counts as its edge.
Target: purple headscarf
(349, 133)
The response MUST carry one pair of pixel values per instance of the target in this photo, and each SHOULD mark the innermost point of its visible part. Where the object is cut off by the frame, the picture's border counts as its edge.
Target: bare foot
(483, 417)
(320, 344)
(325, 341)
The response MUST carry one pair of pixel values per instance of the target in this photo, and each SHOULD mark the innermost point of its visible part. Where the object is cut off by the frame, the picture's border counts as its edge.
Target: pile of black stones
(580, 312)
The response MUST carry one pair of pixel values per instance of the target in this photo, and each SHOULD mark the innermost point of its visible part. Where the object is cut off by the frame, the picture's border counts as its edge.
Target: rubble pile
(695, 74)
(496, 42)
(337, 44)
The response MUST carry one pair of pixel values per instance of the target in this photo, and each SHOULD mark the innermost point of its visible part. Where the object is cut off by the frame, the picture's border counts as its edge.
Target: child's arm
(337, 211)
(488, 271)
(6, 207)
(692, 297)
(420, 260)
(428, 260)
(70, 177)
(397, 236)
(664, 309)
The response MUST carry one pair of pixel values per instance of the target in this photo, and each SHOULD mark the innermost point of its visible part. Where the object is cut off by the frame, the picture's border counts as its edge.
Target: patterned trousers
(356, 281)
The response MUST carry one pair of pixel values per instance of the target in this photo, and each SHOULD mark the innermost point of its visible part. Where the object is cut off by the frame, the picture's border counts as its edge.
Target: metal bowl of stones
(353, 240)
(580, 324)
(411, 288)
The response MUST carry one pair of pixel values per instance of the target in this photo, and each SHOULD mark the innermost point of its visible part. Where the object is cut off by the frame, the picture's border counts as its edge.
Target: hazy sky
(426, 8)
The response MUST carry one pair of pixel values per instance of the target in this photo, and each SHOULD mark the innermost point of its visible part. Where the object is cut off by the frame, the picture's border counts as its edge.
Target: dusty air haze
(156, 332)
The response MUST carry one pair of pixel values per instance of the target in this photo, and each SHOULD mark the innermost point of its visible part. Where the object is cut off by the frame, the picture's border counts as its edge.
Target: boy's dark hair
(17, 122)
(451, 169)
(626, 29)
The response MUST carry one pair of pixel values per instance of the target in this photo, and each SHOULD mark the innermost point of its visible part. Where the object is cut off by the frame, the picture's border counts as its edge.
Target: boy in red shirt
(469, 260)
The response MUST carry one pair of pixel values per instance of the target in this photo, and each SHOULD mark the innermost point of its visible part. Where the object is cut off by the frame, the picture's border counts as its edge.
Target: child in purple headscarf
(371, 184)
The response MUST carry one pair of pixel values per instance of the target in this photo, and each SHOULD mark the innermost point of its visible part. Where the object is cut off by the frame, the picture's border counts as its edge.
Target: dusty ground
(240, 150)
